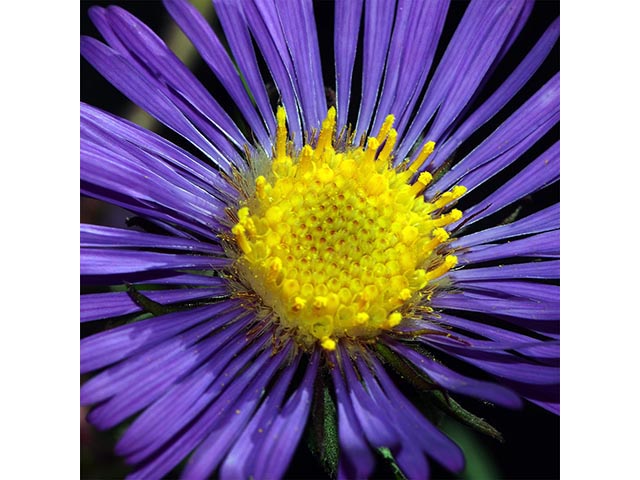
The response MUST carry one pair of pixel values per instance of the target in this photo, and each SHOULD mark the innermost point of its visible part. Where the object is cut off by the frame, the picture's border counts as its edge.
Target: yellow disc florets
(337, 243)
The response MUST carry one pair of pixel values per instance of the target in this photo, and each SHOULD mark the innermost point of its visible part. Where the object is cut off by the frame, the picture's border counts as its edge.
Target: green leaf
(323, 435)
(389, 458)
(455, 410)
(478, 459)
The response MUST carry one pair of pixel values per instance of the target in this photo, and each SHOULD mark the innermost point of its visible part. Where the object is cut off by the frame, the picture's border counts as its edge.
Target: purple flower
(308, 258)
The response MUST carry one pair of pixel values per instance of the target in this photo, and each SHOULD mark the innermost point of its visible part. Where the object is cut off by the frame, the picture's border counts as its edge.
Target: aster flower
(298, 269)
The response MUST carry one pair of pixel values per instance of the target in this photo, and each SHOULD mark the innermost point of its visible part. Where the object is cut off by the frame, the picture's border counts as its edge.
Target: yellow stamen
(326, 133)
(388, 147)
(337, 243)
(281, 133)
(386, 127)
(427, 149)
(424, 179)
(450, 261)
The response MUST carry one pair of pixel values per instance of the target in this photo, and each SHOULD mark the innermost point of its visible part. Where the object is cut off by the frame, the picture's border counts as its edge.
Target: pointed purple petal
(345, 45)
(96, 306)
(457, 383)
(547, 219)
(545, 244)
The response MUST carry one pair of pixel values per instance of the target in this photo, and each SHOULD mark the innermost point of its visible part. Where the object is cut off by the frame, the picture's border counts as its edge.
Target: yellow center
(339, 244)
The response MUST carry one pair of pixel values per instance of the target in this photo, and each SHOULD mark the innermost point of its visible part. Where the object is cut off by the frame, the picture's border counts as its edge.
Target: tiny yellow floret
(336, 241)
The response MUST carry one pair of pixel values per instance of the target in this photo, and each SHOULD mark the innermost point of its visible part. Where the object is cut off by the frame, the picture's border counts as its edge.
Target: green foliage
(323, 434)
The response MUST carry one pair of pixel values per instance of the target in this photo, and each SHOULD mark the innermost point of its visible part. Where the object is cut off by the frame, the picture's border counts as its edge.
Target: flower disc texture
(324, 243)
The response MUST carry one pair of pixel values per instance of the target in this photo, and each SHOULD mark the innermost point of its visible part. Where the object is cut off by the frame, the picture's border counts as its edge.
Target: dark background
(532, 436)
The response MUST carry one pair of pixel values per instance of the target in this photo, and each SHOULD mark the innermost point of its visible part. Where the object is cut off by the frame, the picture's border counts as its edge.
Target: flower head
(303, 267)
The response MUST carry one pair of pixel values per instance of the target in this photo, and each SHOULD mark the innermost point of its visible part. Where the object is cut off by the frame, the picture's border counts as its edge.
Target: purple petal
(529, 290)
(181, 403)
(542, 270)
(377, 32)
(242, 393)
(265, 27)
(474, 67)
(345, 45)
(457, 383)
(299, 29)
(236, 32)
(376, 425)
(125, 179)
(96, 306)
(523, 128)
(240, 460)
(223, 435)
(157, 62)
(538, 174)
(501, 96)
(547, 219)
(417, 28)
(148, 94)
(515, 307)
(545, 244)
(113, 345)
(471, 51)
(281, 439)
(408, 419)
(98, 236)
(190, 167)
(95, 261)
(505, 365)
(356, 459)
(213, 53)
(143, 379)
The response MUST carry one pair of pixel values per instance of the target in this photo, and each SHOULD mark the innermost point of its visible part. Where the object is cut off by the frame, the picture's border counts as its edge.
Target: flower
(299, 270)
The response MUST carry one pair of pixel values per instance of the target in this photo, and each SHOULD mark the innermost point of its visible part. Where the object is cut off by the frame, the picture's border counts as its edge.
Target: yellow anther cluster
(337, 242)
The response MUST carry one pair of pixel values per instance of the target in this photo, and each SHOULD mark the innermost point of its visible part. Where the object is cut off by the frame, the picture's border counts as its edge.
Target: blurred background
(531, 446)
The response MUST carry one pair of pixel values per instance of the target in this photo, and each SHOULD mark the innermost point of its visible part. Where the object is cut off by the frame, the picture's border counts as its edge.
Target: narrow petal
(228, 426)
(541, 270)
(135, 388)
(378, 22)
(148, 94)
(240, 460)
(483, 28)
(345, 45)
(457, 383)
(265, 27)
(418, 26)
(543, 171)
(522, 129)
(431, 440)
(545, 244)
(516, 288)
(107, 347)
(501, 96)
(544, 220)
(95, 261)
(197, 171)
(181, 403)
(299, 29)
(356, 459)
(242, 392)
(282, 437)
(97, 306)
(98, 236)
(236, 31)
(157, 62)
(213, 53)
(515, 307)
